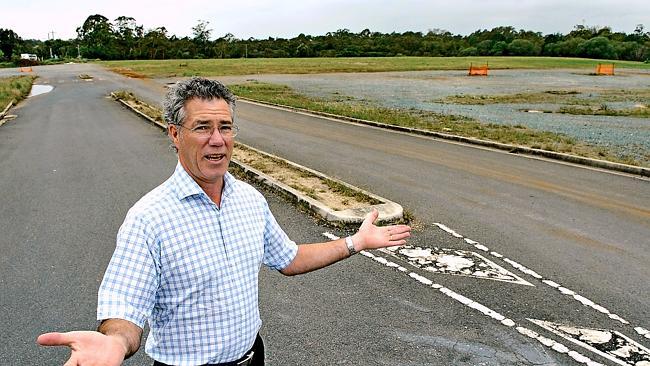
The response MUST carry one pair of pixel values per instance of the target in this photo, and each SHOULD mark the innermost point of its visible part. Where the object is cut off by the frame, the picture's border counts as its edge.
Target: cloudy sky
(286, 19)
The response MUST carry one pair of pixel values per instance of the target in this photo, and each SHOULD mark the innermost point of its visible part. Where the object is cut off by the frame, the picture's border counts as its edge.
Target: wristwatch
(350, 245)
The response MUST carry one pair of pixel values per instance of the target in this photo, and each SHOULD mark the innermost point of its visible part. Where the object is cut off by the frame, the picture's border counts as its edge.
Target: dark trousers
(257, 360)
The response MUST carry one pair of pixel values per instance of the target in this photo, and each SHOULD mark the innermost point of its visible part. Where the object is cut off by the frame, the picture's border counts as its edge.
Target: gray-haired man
(189, 252)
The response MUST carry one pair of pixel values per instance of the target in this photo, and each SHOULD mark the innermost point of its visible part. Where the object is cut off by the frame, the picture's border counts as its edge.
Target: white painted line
(481, 247)
(551, 283)
(566, 291)
(450, 231)
(508, 322)
(477, 306)
(614, 345)
(641, 331)
(563, 290)
(558, 347)
(330, 236)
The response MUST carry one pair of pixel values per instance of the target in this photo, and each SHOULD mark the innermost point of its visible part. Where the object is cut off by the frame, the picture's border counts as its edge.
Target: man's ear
(172, 132)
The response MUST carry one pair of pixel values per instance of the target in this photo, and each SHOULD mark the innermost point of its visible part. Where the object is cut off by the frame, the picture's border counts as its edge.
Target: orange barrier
(605, 69)
(26, 69)
(478, 70)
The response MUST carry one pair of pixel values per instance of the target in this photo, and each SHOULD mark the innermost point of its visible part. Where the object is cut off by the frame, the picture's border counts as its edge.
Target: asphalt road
(74, 161)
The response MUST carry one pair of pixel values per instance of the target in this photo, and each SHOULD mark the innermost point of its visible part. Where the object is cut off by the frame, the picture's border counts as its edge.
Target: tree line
(124, 39)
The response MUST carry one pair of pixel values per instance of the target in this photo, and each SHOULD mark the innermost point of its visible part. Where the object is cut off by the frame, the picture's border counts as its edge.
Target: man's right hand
(88, 348)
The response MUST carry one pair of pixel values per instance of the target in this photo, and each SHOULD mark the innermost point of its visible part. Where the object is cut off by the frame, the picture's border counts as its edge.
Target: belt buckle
(247, 359)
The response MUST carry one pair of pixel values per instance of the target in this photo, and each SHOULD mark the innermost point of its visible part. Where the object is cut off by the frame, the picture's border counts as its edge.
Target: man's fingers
(54, 339)
(372, 216)
(399, 236)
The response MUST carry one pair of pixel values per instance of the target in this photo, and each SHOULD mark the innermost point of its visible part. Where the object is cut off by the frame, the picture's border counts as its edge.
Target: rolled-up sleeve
(130, 282)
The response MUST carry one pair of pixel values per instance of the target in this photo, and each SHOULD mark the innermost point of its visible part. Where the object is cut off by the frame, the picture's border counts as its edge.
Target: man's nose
(216, 138)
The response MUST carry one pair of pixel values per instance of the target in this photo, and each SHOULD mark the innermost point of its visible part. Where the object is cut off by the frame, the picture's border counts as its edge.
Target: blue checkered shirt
(191, 269)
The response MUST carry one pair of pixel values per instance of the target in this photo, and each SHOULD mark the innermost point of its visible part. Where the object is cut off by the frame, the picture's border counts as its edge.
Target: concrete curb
(596, 163)
(147, 118)
(388, 210)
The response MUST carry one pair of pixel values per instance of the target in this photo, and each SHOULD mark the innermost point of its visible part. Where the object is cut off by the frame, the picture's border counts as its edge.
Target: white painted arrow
(612, 345)
(455, 262)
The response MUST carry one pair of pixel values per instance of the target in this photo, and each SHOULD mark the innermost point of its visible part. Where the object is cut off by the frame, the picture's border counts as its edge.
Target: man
(188, 254)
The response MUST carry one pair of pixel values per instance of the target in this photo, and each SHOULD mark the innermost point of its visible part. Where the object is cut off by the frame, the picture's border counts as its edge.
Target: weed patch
(15, 88)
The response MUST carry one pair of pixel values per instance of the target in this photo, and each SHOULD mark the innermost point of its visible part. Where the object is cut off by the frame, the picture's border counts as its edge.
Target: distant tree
(201, 38)
(155, 43)
(127, 33)
(469, 51)
(499, 49)
(97, 37)
(8, 41)
(523, 47)
(484, 48)
(598, 47)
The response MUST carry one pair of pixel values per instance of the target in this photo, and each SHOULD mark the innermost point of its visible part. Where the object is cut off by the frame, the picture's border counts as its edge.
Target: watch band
(350, 244)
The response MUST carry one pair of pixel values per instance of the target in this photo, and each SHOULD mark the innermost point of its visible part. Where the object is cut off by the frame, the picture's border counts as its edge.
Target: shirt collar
(186, 186)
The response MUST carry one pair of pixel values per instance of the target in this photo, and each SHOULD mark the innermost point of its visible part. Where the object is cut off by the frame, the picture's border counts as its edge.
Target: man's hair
(183, 91)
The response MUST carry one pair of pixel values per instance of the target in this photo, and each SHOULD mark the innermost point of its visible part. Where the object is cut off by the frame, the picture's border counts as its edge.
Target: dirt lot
(424, 89)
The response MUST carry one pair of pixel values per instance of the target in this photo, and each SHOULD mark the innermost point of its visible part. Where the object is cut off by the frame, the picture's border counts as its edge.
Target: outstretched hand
(88, 348)
(371, 236)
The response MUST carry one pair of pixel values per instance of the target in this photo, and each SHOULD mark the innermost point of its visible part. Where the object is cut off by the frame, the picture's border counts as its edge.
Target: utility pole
(48, 37)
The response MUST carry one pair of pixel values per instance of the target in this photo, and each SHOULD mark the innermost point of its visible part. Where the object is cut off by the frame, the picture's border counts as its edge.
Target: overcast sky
(282, 18)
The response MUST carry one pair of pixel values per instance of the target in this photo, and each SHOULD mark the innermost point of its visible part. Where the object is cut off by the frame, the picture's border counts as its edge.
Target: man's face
(204, 157)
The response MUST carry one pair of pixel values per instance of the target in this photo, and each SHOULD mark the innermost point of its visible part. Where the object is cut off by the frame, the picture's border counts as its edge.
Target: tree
(598, 47)
(8, 41)
(201, 38)
(97, 37)
(156, 43)
(127, 32)
(523, 47)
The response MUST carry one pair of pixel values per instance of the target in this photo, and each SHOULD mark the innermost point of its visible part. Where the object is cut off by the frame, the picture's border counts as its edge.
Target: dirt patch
(128, 72)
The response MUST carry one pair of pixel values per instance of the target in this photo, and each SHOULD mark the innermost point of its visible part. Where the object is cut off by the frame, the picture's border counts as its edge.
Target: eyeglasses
(227, 131)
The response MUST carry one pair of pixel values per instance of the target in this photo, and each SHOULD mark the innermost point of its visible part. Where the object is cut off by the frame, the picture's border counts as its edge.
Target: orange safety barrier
(478, 70)
(605, 69)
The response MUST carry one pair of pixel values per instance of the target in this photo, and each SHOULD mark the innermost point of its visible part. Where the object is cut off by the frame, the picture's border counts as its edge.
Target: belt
(245, 360)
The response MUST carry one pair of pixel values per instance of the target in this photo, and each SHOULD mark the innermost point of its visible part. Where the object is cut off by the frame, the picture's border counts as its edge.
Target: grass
(141, 106)
(221, 67)
(550, 96)
(640, 112)
(451, 124)
(567, 97)
(14, 88)
(572, 101)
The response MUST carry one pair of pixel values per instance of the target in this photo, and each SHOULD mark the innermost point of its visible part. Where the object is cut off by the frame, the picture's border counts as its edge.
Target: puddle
(40, 89)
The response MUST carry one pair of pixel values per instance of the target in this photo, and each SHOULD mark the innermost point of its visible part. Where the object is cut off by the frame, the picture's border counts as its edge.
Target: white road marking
(612, 345)
(563, 290)
(477, 306)
(454, 262)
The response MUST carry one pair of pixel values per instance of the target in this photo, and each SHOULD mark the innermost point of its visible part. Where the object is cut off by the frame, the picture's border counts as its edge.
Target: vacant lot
(506, 97)
(608, 113)
(223, 67)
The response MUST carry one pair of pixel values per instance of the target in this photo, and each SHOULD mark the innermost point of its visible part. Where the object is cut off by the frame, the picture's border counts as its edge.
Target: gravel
(626, 136)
